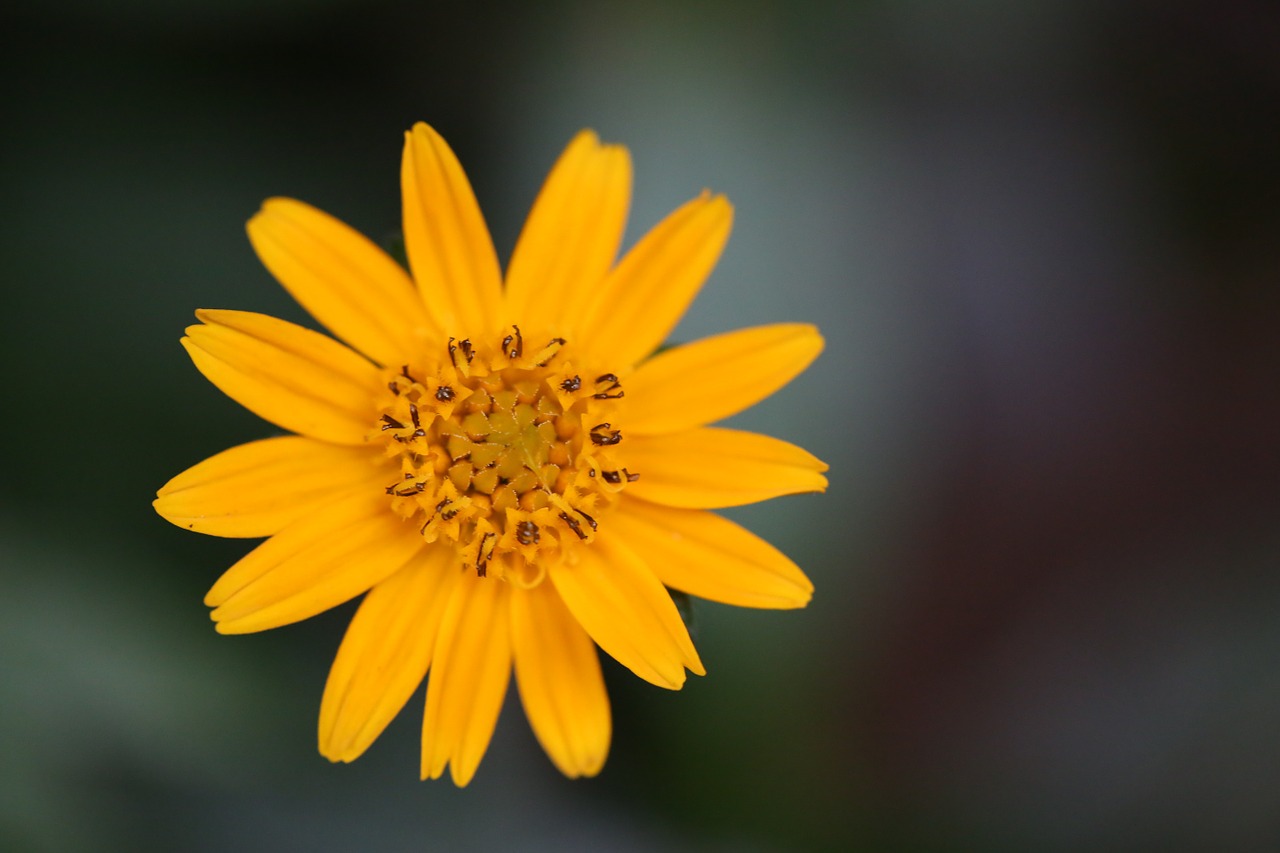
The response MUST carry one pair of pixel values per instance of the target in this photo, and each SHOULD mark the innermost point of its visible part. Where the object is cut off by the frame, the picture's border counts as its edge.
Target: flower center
(510, 455)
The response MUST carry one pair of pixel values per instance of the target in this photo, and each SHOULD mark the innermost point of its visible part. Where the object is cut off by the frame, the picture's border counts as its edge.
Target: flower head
(504, 469)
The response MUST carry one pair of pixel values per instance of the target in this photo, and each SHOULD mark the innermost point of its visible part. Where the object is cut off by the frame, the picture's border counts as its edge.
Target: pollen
(511, 453)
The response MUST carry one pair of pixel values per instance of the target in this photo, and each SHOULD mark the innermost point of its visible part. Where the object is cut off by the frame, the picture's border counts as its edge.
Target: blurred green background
(1041, 239)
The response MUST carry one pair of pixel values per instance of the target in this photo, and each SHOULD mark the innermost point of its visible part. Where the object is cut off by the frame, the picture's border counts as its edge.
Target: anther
(516, 351)
(389, 422)
(614, 385)
(444, 393)
(527, 533)
(543, 358)
(603, 436)
(482, 558)
(615, 477)
(574, 524)
(413, 413)
(445, 516)
(460, 354)
(573, 383)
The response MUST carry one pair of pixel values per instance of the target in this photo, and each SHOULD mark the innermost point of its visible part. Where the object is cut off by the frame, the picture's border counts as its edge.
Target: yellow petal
(469, 675)
(315, 563)
(624, 608)
(711, 467)
(710, 557)
(256, 489)
(716, 377)
(345, 281)
(296, 378)
(641, 301)
(448, 244)
(571, 237)
(385, 654)
(561, 687)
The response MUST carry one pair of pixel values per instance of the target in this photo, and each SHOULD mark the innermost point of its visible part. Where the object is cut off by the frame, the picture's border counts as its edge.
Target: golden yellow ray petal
(257, 489)
(712, 467)
(315, 563)
(710, 557)
(298, 379)
(571, 237)
(469, 675)
(385, 654)
(643, 298)
(448, 244)
(561, 687)
(716, 377)
(345, 281)
(629, 614)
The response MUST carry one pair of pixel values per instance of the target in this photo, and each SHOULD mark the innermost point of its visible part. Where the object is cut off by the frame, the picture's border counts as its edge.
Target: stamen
(461, 362)
(527, 533)
(603, 436)
(543, 358)
(445, 516)
(573, 383)
(614, 385)
(518, 350)
(574, 524)
(444, 393)
(483, 556)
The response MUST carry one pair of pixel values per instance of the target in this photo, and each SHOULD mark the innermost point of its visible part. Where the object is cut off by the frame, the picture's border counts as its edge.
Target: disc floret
(508, 452)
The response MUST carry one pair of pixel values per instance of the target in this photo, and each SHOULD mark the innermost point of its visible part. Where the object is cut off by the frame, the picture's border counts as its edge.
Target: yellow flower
(506, 470)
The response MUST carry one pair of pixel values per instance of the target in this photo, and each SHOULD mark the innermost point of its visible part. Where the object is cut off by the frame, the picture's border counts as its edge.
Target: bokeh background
(1042, 240)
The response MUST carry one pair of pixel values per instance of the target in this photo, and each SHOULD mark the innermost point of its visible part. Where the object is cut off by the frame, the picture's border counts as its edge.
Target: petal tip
(423, 132)
(717, 202)
(431, 767)
(327, 750)
(276, 202)
(815, 339)
(461, 776)
(586, 136)
(214, 317)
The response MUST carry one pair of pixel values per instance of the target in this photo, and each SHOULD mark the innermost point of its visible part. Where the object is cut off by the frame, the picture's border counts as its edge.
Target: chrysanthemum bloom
(507, 472)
